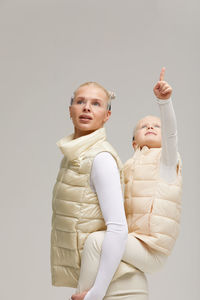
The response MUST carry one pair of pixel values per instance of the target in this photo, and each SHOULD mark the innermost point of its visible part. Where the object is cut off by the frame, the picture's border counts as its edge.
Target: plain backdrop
(48, 48)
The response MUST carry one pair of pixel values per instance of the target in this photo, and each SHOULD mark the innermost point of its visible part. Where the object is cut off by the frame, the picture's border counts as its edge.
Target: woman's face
(89, 110)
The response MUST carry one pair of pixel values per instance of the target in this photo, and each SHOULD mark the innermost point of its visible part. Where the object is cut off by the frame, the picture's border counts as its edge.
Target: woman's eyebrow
(93, 99)
(80, 97)
(98, 100)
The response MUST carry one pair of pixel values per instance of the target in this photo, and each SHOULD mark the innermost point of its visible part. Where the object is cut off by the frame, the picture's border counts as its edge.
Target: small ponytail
(112, 95)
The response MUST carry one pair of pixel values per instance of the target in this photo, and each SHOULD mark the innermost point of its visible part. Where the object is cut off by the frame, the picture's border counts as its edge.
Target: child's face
(148, 133)
(89, 110)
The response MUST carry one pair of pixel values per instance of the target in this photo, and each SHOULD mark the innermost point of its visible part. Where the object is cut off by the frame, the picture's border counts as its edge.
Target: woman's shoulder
(105, 167)
(104, 157)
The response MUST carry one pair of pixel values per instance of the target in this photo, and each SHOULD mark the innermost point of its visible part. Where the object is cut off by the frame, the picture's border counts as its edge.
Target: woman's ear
(108, 114)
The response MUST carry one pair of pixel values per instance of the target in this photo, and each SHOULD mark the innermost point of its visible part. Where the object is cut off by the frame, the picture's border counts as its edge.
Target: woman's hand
(162, 89)
(80, 296)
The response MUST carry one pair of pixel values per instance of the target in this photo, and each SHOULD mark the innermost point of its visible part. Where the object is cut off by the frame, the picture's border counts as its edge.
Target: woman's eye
(96, 103)
(79, 102)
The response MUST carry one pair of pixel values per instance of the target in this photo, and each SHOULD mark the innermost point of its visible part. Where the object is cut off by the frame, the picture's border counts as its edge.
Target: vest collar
(146, 149)
(72, 148)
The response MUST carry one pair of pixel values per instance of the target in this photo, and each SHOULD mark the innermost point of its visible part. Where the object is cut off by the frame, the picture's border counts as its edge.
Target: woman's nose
(87, 107)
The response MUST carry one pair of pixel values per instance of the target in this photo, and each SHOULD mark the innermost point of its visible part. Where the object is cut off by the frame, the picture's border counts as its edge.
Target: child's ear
(134, 145)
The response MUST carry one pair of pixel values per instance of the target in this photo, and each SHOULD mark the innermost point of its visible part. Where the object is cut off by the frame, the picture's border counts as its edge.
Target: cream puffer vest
(76, 210)
(152, 205)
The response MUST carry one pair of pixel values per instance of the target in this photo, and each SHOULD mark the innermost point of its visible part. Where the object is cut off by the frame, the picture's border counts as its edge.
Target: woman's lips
(85, 118)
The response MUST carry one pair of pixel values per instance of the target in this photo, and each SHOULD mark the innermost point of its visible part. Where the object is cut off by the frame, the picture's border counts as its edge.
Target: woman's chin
(85, 127)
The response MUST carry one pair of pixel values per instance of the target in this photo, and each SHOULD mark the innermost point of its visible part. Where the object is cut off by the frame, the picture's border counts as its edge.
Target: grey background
(47, 49)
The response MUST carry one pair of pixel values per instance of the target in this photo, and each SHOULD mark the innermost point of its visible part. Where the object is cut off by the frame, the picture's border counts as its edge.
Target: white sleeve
(105, 179)
(169, 157)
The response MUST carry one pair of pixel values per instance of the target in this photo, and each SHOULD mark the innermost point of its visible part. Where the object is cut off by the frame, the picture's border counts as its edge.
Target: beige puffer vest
(76, 210)
(152, 205)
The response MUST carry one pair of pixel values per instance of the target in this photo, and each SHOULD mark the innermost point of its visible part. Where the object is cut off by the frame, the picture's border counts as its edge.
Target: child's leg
(136, 254)
(131, 286)
(143, 258)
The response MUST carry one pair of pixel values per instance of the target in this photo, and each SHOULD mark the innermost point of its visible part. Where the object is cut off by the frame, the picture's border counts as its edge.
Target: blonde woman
(87, 197)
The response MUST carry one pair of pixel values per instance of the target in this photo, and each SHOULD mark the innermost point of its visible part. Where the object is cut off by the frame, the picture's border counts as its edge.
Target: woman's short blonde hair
(110, 95)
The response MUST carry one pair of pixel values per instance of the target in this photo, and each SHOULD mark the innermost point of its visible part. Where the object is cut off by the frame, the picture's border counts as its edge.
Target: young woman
(87, 197)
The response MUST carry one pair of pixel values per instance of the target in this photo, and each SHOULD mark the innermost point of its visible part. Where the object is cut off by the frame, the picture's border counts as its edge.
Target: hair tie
(112, 95)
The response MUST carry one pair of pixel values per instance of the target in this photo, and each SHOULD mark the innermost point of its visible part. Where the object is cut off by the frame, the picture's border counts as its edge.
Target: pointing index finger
(162, 74)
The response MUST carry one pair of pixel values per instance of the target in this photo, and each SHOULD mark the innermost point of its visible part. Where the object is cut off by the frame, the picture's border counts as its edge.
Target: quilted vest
(152, 205)
(76, 210)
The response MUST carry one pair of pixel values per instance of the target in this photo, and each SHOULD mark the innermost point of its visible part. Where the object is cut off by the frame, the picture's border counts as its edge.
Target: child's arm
(169, 157)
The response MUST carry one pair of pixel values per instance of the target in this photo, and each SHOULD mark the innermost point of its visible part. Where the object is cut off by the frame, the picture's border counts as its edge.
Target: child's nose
(150, 126)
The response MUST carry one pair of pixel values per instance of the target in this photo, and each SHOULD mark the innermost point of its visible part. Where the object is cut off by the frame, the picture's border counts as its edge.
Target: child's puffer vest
(76, 210)
(152, 205)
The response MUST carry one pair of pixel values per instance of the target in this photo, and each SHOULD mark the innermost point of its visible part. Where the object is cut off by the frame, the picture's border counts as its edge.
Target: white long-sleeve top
(105, 180)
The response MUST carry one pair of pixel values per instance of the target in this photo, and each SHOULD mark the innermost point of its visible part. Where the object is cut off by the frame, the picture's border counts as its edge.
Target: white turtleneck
(105, 180)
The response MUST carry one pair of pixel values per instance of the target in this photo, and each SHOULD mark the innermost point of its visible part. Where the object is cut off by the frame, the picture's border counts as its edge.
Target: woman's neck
(78, 133)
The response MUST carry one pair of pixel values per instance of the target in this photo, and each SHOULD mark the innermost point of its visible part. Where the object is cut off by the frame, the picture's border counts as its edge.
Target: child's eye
(143, 126)
(158, 126)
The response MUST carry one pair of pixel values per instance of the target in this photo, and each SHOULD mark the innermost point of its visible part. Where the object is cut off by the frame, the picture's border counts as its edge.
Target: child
(153, 180)
(152, 193)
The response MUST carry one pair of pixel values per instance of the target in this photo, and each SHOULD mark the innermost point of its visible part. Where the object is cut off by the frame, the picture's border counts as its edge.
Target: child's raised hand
(162, 89)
